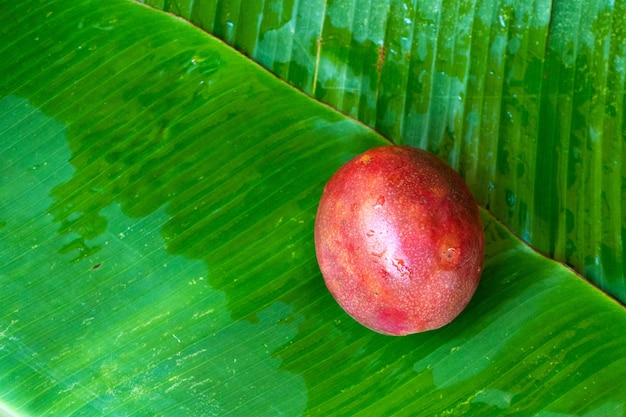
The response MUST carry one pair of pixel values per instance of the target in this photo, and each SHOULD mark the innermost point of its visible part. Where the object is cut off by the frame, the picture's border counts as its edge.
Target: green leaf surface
(159, 197)
(524, 97)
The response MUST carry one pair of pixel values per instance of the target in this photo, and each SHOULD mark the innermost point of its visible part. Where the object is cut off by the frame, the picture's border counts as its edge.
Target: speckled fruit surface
(399, 240)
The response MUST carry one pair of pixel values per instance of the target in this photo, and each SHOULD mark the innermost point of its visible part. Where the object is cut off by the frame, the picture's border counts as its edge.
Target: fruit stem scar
(366, 159)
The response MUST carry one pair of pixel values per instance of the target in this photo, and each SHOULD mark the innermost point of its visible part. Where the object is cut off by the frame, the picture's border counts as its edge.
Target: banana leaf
(158, 197)
(524, 98)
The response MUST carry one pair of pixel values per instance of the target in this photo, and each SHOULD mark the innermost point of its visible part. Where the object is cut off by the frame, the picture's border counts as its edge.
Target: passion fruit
(399, 240)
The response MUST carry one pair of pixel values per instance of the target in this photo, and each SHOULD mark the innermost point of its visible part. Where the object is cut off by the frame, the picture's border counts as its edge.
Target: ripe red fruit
(399, 240)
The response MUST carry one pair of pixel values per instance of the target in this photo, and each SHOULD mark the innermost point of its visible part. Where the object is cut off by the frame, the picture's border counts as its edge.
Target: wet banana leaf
(524, 98)
(158, 197)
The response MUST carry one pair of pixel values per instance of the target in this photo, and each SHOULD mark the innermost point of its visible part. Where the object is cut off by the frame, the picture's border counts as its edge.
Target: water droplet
(502, 21)
(510, 199)
(229, 32)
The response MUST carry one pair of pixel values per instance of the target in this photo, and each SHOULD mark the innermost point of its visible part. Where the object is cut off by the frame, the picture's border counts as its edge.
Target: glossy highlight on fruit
(399, 240)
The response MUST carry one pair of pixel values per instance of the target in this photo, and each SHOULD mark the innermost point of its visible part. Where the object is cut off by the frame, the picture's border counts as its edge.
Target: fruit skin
(399, 240)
